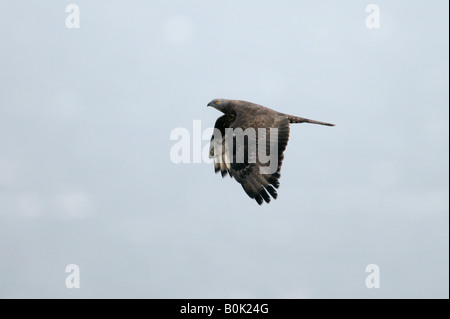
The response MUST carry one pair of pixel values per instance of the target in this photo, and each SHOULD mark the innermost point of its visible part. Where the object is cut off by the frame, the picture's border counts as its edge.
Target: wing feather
(258, 186)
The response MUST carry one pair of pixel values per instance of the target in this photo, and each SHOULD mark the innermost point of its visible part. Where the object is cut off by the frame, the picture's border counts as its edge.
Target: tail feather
(296, 119)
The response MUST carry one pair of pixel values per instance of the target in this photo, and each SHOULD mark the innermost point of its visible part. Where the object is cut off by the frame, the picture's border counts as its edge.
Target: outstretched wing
(258, 177)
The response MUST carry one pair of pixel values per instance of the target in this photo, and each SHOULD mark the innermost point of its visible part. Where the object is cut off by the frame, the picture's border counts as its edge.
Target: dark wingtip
(265, 196)
(272, 191)
(259, 199)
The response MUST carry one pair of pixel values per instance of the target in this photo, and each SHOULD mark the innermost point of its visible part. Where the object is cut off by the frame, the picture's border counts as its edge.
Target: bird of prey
(242, 139)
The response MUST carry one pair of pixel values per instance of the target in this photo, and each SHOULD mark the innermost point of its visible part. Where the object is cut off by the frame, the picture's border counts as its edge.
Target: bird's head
(220, 104)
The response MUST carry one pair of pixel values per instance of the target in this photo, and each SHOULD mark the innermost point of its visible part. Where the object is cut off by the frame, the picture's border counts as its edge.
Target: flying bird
(242, 138)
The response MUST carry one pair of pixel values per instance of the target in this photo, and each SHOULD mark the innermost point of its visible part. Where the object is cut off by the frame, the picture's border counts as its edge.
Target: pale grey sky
(86, 176)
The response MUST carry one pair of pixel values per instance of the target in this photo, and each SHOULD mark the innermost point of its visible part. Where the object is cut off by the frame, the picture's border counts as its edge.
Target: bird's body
(244, 156)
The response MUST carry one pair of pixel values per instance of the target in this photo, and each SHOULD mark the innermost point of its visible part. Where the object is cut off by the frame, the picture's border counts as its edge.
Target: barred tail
(296, 119)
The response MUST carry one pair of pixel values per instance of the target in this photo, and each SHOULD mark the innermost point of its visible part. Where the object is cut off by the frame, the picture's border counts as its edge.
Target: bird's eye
(217, 102)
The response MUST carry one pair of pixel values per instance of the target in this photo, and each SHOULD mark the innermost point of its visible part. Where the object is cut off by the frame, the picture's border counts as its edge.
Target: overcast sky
(86, 176)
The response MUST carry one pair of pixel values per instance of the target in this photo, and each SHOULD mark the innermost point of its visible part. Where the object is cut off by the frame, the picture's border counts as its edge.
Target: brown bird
(238, 149)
